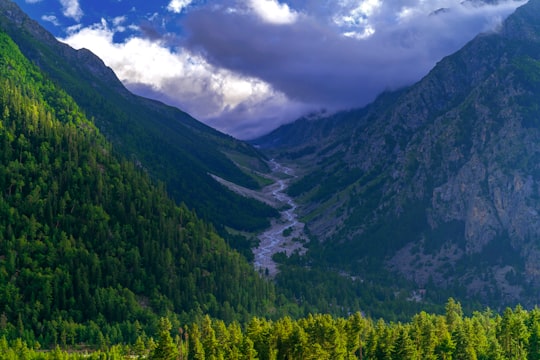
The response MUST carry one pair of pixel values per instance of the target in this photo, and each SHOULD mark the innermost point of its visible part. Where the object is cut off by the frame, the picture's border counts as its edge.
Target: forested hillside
(171, 145)
(96, 256)
(90, 248)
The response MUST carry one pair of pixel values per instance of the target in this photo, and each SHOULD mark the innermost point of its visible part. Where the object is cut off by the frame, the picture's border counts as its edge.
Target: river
(286, 234)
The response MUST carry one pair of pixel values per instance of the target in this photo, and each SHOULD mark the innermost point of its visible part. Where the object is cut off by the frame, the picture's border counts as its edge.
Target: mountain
(438, 184)
(91, 249)
(168, 143)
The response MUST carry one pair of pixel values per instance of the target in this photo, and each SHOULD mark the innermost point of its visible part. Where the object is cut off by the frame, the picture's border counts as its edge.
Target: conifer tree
(166, 349)
(404, 348)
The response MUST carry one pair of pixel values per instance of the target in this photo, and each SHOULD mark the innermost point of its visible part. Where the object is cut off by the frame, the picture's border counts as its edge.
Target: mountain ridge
(93, 250)
(171, 145)
(439, 181)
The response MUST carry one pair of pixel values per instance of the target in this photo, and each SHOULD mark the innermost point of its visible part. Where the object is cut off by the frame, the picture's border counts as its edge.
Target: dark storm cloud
(247, 66)
(312, 62)
(150, 31)
(306, 62)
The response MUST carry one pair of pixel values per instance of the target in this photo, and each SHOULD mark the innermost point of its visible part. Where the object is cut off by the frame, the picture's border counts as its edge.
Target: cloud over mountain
(247, 66)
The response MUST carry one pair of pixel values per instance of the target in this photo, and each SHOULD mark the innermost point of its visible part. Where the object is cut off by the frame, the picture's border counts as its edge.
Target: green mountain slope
(172, 146)
(438, 183)
(90, 248)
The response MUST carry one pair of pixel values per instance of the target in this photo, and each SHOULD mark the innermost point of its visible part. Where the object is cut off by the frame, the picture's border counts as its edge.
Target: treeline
(515, 334)
(91, 249)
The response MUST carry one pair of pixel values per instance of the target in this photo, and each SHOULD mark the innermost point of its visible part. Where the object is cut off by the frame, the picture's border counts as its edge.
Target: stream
(286, 233)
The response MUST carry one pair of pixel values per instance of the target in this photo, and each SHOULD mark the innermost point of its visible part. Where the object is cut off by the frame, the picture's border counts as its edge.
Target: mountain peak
(524, 23)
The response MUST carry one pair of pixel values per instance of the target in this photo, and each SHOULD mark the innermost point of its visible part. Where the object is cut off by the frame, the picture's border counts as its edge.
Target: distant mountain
(438, 183)
(168, 143)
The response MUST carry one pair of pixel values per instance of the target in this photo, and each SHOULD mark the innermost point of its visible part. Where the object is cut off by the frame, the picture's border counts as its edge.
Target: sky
(246, 67)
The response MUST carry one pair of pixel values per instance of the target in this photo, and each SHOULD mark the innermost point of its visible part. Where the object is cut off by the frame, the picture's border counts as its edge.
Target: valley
(123, 220)
(436, 184)
(286, 234)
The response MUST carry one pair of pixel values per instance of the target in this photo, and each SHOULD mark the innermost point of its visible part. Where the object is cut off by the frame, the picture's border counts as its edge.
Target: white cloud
(72, 9)
(117, 21)
(355, 18)
(33, 1)
(177, 6)
(221, 98)
(273, 12)
(51, 18)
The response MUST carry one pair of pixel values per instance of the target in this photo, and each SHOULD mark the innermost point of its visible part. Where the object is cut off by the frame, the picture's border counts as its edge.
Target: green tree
(404, 348)
(139, 348)
(166, 348)
(533, 325)
(209, 340)
(513, 333)
(454, 314)
(248, 350)
(196, 349)
(464, 345)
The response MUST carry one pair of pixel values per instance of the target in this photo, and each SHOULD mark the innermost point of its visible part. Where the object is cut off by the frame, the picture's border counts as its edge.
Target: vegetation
(91, 250)
(169, 144)
(95, 257)
(515, 334)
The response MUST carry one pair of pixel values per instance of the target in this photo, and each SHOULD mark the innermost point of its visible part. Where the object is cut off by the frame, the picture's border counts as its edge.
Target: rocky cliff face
(439, 182)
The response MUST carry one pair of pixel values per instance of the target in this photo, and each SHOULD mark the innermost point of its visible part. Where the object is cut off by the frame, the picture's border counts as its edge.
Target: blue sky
(248, 66)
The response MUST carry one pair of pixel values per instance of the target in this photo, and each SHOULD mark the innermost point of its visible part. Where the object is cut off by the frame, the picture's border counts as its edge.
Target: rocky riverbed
(286, 234)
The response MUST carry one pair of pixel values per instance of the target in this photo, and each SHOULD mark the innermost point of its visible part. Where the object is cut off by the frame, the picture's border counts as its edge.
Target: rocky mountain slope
(438, 182)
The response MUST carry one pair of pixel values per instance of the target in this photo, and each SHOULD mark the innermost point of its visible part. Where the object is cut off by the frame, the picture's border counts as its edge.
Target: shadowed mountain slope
(439, 182)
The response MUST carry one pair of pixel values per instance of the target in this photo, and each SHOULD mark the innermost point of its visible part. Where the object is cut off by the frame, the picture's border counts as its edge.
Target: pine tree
(404, 348)
(196, 350)
(454, 314)
(166, 349)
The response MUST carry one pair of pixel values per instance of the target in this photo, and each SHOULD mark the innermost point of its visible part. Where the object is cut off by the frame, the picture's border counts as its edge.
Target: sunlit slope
(168, 143)
(87, 237)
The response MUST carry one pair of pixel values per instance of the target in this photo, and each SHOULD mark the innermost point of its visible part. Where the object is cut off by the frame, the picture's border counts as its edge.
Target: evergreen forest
(101, 259)
(485, 335)
(88, 239)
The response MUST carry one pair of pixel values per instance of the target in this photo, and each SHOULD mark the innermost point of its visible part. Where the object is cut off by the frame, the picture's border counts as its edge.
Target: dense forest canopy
(87, 238)
(515, 334)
